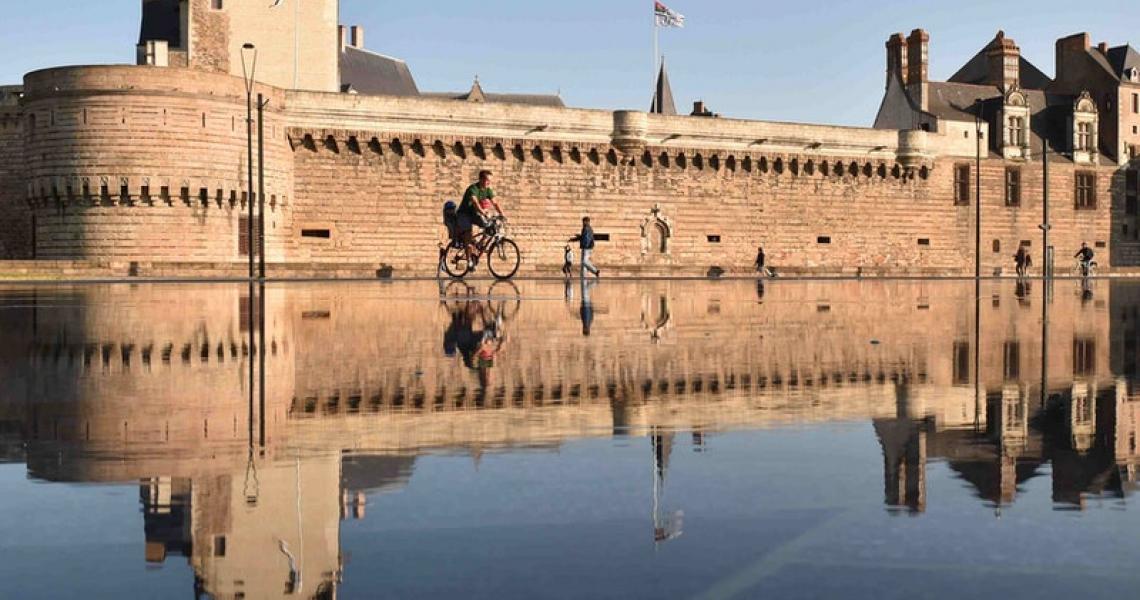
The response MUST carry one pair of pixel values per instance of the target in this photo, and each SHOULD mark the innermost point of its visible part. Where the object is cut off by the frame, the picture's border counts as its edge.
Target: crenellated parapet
(112, 153)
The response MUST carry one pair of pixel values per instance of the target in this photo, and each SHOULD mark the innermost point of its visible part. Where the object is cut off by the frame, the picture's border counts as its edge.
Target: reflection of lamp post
(249, 55)
(978, 190)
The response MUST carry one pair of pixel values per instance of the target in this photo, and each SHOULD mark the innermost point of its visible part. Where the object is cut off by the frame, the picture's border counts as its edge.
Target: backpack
(450, 218)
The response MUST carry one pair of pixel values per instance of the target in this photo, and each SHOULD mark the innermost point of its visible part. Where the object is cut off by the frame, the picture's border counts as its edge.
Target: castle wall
(154, 173)
(15, 217)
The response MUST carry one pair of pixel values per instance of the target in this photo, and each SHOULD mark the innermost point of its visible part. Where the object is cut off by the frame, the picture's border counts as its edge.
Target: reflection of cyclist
(475, 333)
(1085, 256)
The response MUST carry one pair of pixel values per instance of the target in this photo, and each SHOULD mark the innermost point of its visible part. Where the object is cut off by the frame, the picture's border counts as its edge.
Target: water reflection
(249, 478)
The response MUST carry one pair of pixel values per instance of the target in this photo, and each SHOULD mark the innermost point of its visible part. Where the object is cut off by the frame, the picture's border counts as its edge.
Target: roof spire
(663, 94)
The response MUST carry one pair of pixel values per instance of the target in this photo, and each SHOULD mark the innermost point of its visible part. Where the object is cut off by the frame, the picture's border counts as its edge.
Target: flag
(276, 3)
(667, 17)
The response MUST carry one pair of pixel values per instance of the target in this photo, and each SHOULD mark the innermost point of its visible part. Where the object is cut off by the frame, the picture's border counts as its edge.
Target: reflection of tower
(904, 454)
(665, 527)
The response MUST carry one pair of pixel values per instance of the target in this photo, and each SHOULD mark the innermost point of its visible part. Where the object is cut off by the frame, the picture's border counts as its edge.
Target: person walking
(585, 241)
(568, 262)
(1021, 261)
(760, 259)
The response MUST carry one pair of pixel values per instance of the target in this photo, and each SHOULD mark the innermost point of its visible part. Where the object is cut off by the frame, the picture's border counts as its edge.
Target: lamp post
(249, 55)
(261, 103)
(978, 190)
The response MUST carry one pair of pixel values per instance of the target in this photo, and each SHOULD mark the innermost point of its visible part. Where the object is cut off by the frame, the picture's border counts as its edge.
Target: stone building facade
(147, 163)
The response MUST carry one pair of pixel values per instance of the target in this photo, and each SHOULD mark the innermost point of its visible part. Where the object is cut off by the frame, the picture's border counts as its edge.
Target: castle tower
(296, 40)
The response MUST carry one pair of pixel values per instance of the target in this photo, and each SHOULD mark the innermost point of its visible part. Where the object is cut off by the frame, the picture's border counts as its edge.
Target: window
(601, 237)
(1131, 191)
(243, 234)
(1084, 356)
(714, 239)
(823, 239)
(923, 241)
(1012, 186)
(216, 4)
(997, 246)
(961, 363)
(1085, 191)
(1084, 136)
(1011, 361)
(962, 185)
(316, 233)
(1135, 98)
(1015, 131)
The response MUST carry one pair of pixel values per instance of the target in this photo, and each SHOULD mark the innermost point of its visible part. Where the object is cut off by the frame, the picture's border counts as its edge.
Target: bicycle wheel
(505, 299)
(504, 258)
(455, 261)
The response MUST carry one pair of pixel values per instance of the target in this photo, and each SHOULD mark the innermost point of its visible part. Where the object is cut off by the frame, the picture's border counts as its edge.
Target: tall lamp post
(248, 69)
(261, 104)
(978, 190)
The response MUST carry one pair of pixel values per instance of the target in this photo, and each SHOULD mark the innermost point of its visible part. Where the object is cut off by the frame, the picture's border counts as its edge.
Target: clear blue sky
(811, 61)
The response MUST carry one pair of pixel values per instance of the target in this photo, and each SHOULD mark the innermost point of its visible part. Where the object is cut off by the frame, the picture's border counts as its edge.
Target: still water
(618, 440)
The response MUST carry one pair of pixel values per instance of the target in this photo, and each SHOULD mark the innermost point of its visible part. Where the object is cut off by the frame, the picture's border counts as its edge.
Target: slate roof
(365, 72)
(1123, 58)
(976, 70)
(662, 102)
(477, 95)
(161, 20)
(1049, 113)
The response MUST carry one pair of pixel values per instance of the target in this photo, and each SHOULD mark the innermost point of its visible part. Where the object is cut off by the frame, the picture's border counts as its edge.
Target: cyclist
(1085, 258)
(475, 209)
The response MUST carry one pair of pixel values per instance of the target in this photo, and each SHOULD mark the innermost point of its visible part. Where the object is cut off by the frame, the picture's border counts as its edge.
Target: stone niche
(656, 236)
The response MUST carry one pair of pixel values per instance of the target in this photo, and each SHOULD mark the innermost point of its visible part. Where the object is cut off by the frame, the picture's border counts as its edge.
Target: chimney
(342, 36)
(1004, 62)
(918, 57)
(1069, 49)
(896, 58)
(358, 37)
(1103, 47)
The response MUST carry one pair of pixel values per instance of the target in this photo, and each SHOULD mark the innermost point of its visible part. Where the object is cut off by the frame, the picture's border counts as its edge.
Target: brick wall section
(210, 38)
(15, 217)
(183, 132)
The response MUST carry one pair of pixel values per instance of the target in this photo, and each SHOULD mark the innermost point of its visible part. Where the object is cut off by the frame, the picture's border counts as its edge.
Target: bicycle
(502, 253)
(1084, 269)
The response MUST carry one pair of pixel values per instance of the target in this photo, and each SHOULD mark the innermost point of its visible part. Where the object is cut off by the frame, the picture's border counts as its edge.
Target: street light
(249, 55)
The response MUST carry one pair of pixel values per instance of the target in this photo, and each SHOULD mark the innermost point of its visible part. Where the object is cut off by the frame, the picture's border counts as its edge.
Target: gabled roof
(365, 72)
(161, 20)
(976, 70)
(1122, 59)
(663, 95)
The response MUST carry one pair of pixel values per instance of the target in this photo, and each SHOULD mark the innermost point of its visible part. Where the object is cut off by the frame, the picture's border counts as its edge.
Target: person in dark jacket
(586, 243)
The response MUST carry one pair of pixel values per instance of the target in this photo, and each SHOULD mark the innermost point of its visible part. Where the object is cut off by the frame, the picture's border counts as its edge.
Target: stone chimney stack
(342, 37)
(896, 58)
(1103, 47)
(918, 67)
(358, 37)
(1004, 62)
(1069, 57)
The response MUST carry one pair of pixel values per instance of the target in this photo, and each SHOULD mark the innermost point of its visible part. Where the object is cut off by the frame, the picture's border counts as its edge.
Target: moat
(619, 439)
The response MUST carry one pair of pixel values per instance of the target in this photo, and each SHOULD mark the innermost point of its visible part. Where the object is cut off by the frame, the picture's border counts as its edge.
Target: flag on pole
(667, 17)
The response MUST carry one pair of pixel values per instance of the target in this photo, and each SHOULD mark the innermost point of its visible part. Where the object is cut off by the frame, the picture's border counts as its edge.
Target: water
(621, 440)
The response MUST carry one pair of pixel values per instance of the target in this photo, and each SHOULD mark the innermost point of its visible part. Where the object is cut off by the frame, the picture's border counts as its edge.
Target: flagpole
(656, 62)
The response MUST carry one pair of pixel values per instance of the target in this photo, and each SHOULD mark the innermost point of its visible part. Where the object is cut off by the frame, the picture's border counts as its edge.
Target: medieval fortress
(147, 162)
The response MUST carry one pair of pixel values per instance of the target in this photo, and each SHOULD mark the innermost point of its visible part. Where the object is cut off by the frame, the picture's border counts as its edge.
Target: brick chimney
(1069, 57)
(342, 37)
(358, 37)
(918, 67)
(1004, 62)
(896, 58)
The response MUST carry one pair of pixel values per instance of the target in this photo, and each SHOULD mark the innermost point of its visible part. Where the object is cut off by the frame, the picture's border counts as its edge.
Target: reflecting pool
(654, 439)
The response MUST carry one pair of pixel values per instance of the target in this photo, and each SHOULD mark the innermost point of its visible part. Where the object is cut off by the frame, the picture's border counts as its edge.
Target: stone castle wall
(15, 217)
(354, 179)
(129, 163)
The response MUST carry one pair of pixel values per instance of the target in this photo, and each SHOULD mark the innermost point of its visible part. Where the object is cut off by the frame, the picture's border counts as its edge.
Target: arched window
(658, 238)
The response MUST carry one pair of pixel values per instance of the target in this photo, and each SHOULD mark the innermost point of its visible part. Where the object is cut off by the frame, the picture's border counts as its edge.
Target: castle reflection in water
(256, 420)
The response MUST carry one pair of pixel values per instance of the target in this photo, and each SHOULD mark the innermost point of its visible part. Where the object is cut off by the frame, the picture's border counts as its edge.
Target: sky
(814, 62)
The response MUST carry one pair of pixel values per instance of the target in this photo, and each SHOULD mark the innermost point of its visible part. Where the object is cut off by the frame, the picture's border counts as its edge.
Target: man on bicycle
(475, 209)
(1085, 256)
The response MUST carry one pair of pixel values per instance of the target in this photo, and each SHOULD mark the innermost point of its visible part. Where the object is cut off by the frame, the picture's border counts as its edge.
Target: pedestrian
(568, 262)
(585, 241)
(1021, 261)
(760, 260)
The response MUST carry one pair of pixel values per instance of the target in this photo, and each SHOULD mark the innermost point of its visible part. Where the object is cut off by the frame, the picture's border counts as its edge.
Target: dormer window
(1015, 121)
(1083, 130)
(1133, 75)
